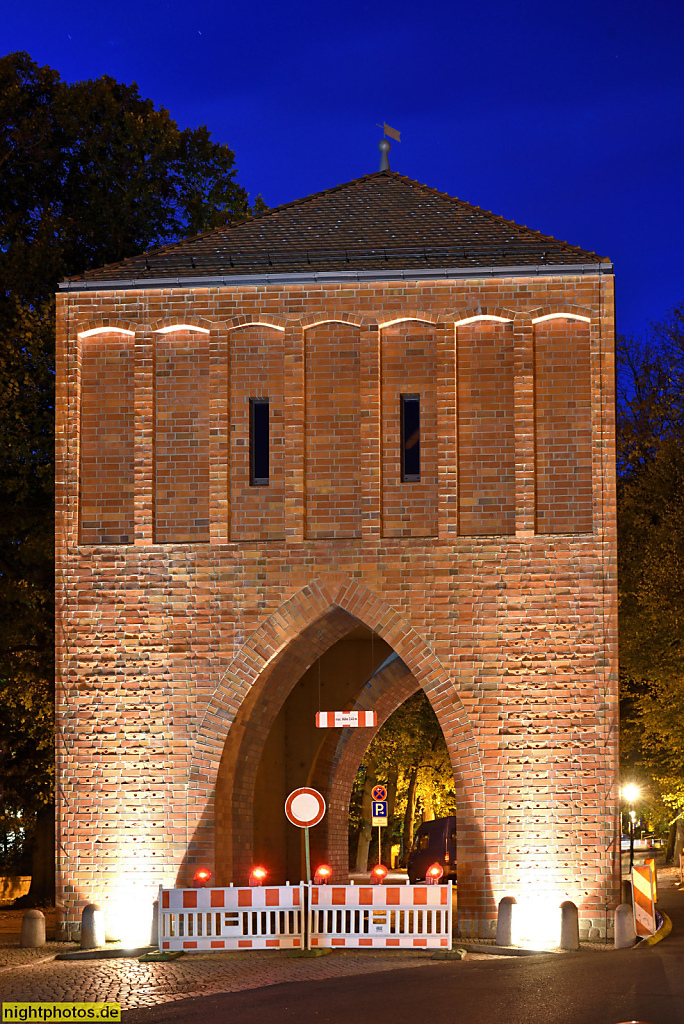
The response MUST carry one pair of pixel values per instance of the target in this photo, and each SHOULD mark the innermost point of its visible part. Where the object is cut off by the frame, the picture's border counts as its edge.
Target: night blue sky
(565, 116)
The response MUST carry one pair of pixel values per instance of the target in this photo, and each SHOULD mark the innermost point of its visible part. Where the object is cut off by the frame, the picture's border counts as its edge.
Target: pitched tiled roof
(381, 223)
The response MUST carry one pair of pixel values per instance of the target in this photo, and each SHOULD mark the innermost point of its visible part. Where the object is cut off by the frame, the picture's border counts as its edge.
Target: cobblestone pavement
(34, 975)
(133, 984)
(14, 956)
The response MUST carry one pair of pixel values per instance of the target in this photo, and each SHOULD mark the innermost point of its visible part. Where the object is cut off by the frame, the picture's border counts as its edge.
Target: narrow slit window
(258, 441)
(410, 437)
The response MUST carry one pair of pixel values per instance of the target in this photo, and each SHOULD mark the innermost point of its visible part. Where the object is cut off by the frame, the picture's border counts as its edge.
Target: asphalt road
(642, 984)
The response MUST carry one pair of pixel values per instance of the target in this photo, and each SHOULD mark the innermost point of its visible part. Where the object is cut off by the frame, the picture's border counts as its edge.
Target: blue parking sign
(379, 812)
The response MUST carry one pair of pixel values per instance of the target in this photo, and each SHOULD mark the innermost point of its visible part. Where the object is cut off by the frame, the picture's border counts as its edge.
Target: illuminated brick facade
(191, 602)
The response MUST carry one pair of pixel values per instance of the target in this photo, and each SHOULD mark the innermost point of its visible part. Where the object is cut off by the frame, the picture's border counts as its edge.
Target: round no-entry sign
(304, 807)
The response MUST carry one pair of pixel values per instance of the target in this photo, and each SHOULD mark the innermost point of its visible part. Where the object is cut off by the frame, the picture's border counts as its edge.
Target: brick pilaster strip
(525, 513)
(68, 432)
(446, 429)
(295, 454)
(218, 433)
(371, 501)
(144, 437)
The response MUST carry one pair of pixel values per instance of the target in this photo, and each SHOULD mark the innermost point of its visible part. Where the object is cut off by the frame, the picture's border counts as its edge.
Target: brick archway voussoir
(180, 320)
(107, 325)
(255, 319)
(559, 310)
(307, 323)
(283, 627)
(463, 318)
(258, 655)
(422, 316)
(287, 642)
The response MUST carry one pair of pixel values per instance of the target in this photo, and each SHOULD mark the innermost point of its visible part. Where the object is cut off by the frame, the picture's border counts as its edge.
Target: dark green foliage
(90, 173)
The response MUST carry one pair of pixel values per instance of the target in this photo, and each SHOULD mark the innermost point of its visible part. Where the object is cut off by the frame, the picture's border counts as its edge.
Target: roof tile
(383, 221)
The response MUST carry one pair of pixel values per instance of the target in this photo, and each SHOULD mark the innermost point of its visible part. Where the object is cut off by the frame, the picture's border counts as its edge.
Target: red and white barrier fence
(643, 901)
(271, 917)
(380, 916)
(274, 917)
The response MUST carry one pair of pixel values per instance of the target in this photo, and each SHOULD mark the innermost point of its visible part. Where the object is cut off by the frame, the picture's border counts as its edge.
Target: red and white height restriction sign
(346, 719)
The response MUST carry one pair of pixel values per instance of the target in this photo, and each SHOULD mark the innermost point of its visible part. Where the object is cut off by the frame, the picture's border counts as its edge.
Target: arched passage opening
(359, 672)
(236, 728)
(297, 753)
(409, 757)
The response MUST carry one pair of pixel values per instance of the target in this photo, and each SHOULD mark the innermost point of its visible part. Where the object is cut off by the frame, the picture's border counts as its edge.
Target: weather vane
(385, 145)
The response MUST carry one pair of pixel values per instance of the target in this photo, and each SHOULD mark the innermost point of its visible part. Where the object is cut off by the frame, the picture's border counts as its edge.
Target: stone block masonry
(190, 603)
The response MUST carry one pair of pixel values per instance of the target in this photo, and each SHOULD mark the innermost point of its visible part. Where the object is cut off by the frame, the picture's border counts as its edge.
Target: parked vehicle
(435, 842)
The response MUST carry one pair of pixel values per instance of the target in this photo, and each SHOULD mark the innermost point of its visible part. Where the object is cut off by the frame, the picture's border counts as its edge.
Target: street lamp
(631, 794)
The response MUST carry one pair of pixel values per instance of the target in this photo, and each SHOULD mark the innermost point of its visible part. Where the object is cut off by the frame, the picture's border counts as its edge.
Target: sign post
(379, 818)
(305, 808)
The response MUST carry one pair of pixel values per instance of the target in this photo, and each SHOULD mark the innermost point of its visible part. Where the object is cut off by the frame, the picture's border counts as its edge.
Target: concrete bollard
(154, 938)
(626, 891)
(504, 921)
(33, 929)
(92, 927)
(624, 926)
(569, 935)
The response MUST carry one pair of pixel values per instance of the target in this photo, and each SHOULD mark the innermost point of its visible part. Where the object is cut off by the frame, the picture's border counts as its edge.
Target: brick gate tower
(371, 430)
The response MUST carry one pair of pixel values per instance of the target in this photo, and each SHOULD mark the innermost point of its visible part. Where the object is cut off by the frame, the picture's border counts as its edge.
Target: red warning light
(257, 876)
(434, 873)
(323, 874)
(201, 877)
(378, 874)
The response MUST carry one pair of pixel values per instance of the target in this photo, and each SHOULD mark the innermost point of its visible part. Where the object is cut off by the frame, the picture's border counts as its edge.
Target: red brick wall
(563, 426)
(333, 432)
(486, 429)
(182, 443)
(173, 658)
(107, 440)
(256, 371)
(409, 509)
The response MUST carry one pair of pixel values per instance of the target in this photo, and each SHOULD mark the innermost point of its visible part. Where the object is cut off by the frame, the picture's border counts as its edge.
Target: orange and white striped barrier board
(642, 895)
(346, 719)
(234, 918)
(651, 863)
(380, 916)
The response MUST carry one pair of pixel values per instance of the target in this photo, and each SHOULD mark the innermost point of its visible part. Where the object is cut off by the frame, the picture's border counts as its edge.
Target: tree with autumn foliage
(90, 173)
(409, 755)
(651, 568)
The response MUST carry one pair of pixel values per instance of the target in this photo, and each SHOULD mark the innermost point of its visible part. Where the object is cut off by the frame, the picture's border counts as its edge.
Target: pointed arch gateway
(239, 717)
